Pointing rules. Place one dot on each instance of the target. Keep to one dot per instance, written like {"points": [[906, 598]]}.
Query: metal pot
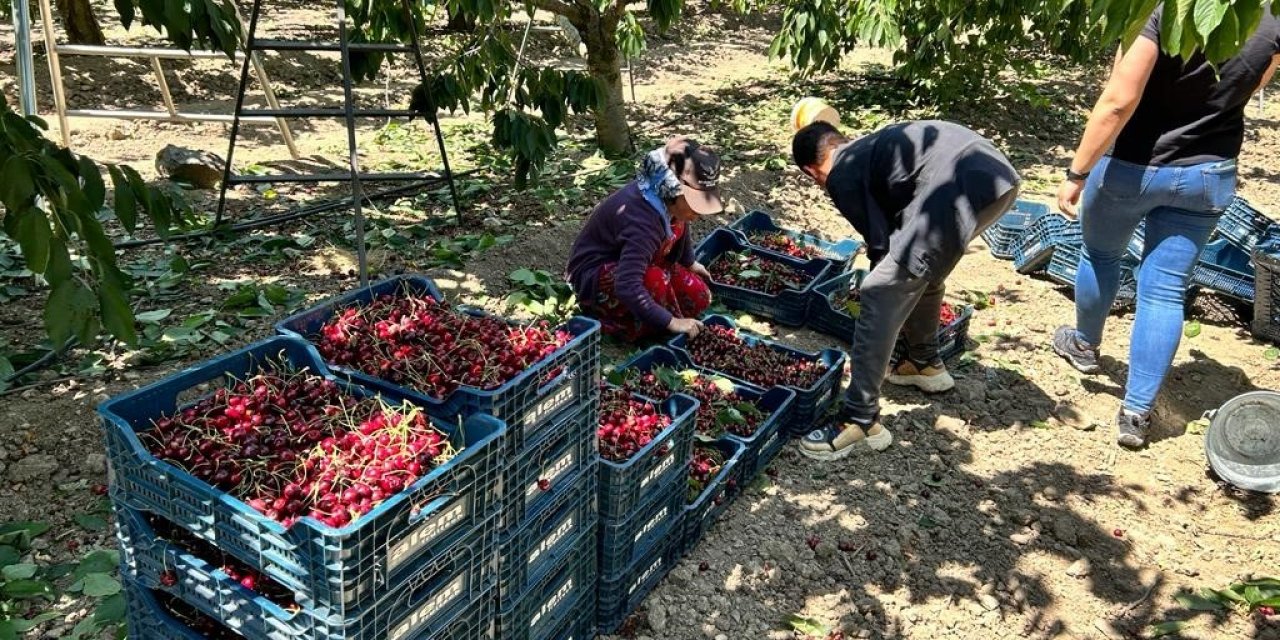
{"points": [[1243, 441]]}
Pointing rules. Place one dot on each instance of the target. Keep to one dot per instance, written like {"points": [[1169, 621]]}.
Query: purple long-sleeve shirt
{"points": [[627, 229]]}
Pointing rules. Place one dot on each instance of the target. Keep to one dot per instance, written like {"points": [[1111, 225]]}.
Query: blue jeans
{"points": [[1181, 206]]}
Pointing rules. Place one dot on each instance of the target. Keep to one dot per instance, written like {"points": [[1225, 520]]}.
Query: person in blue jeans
{"points": [[1174, 128]]}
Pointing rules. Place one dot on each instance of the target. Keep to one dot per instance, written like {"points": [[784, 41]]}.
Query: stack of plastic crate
{"points": [[1242, 225], [1004, 234], [1266, 305], [418, 565], [758, 229], [546, 549], [641, 507]]}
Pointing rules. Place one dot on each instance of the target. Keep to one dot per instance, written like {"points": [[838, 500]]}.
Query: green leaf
{"points": [[24, 589], [23, 571], [276, 294], [32, 231], [110, 610], [59, 267], [9, 555], [100, 561], [1166, 628], [98, 585], [1192, 329], [1271, 354], [730, 415], [1197, 603], [126, 206], [21, 533], [1225, 41], [117, 317], [807, 626], [91, 178], [17, 185], [8, 630], [153, 317], [1208, 15], [750, 273], [524, 276], [25, 625], [91, 522]]}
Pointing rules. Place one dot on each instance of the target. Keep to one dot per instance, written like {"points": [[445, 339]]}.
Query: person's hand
{"points": [[700, 270], [1069, 196], [687, 326]]}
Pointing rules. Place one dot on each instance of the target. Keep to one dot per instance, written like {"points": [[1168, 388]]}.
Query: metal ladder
{"points": [[348, 112]]}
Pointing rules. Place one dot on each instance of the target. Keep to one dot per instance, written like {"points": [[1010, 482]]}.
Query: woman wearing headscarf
{"points": [[632, 266]]}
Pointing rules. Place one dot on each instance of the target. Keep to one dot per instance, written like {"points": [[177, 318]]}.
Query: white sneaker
{"points": [[932, 378], [837, 441]]}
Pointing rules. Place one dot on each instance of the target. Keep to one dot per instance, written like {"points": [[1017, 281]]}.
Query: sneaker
{"points": [[839, 439], [929, 378], [1131, 428], [1067, 343]]}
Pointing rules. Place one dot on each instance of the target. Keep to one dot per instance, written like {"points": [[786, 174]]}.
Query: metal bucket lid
{"points": [[1243, 441]]}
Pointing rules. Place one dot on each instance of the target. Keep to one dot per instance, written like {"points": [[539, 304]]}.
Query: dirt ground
{"points": [[1003, 509]]}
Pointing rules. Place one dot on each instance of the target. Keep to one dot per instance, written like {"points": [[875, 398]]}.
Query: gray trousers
{"points": [[894, 301]]}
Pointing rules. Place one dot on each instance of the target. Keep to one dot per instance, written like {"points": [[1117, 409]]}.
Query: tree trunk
{"points": [[461, 21], [80, 22], [604, 63]]}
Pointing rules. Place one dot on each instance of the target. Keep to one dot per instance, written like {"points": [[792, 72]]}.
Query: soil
{"points": [[1003, 509]]}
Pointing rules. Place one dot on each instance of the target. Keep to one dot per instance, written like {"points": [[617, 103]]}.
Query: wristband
{"points": [[1072, 175]]}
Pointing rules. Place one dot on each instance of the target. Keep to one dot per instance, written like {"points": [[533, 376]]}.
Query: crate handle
{"points": [[553, 383], [430, 507]]}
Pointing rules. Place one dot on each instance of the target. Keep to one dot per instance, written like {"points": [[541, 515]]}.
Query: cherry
{"points": [[168, 579]]}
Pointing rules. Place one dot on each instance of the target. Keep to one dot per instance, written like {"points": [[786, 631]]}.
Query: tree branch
{"points": [[559, 7]]}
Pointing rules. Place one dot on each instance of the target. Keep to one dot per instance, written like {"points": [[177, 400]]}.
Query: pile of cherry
{"points": [[706, 463], [750, 271], [194, 619], [850, 301], [722, 349], [627, 423], [786, 245], [721, 409], [292, 444], [417, 341], [236, 570]]}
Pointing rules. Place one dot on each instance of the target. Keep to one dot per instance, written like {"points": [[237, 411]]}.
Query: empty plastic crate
{"points": [[549, 604], [1002, 235], [625, 486], [1035, 247], [557, 457], [326, 567], [714, 500], [776, 403], [1225, 269], [1266, 306], [1065, 264], [626, 541], [424, 601], [839, 253], [811, 403], [789, 307], [1242, 225], [527, 554], [617, 598], [527, 402]]}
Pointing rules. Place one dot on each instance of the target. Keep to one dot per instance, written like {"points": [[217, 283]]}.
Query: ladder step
{"points": [[339, 176], [328, 112], [303, 45]]}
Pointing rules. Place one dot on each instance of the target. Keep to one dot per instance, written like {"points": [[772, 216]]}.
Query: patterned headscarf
{"points": [[658, 182]]}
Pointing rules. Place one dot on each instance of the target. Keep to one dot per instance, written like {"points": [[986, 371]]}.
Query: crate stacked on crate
{"points": [[758, 229], [1225, 269], [1242, 225], [1064, 263], [1266, 304], [834, 311], [645, 446], [1004, 234], [765, 283], [259, 495], [544, 383], [755, 361]]}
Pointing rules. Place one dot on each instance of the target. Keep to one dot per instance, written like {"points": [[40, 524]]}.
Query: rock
{"points": [[4, 453], [94, 464], [949, 423], [40, 466], [825, 550], [1023, 538], [988, 602], [118, 133], [680, 576], [1080, 568], [1051, 493], [201, 169], [493, 222], [1065, 530], [657, 618]]}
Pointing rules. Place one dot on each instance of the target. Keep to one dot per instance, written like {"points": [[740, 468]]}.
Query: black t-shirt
{"points": [[1193, 113]]}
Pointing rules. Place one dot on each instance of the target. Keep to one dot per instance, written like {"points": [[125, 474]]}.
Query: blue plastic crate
{"points": [[1242, 225], [1034, 249], [952, 338], [839, 253], [769, 448], [776, 403], [1002, 235], [1065, 264], [149, 616], [428, 599], [326, 567], [617, 598], [527, 402], [714, 500], [812, 403], [580, 623], [557, 457], [627, 486], [527, 554], [1225, 269], [624, 542], [1266, 286], [789, 307], [551, 603]]}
